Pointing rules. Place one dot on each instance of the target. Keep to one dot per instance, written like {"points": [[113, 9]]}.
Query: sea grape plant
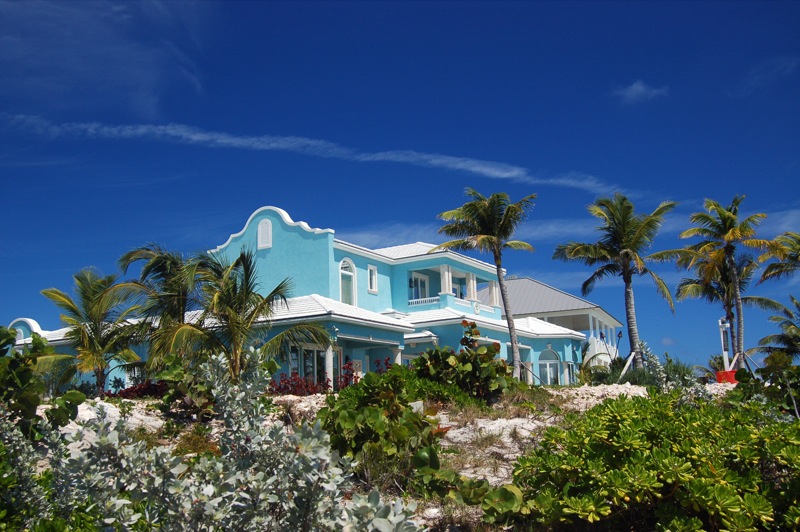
{"points": [[661, 463]]}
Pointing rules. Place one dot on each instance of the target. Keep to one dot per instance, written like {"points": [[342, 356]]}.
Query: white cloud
{"points": [[765, 74], [393, 234], [639, 92], [184, 134]]}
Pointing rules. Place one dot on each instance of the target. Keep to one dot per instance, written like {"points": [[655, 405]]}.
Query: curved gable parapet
{"points": [[284, 217], [27, 326]]}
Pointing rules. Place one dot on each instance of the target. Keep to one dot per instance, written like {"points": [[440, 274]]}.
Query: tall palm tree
{"points": [[169, 283], [619, 252], [712, 283], [721, 231], [487, 225], [787, 251], [788, 340], [98, 323], [235, 315]]}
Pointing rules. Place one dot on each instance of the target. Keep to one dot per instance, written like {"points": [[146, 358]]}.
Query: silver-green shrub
{"points": [[265, 478]]}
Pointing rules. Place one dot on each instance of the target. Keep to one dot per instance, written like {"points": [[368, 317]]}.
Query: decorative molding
{"points": [[284, 216]]}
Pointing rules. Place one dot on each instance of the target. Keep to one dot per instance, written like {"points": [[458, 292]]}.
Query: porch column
{"points": [[591, 325], [329, 364], [472, 287], [446, 276], [494, 294], [398, 355]]}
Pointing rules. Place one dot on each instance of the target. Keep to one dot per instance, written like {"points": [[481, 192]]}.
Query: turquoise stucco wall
{"points": [[302, 254]]}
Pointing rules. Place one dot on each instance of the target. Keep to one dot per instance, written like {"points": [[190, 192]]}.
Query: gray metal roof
{"points": [[529, 297]]}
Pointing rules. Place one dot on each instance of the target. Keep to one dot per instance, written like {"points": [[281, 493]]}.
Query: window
{"points": [[264, 234], [372, 279], [418, 286], [548, 367], [347, 284]]}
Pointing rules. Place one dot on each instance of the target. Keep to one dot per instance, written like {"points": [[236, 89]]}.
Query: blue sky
{"points": [[123, 123]]}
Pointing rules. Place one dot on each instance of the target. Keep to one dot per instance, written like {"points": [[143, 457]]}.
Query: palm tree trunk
{"points": [[633, 328], [512, 330], [737, 297]]}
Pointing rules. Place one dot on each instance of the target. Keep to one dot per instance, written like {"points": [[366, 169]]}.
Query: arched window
{"points": [[264, 234], [347, 282], [548, 367]]}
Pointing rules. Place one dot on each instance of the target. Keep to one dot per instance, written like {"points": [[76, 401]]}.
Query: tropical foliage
{"points": [[487, 224], [658, 463], [625, 236], [787, 253], [99, 323], [788, 340], [721, 231], [235, 315]]}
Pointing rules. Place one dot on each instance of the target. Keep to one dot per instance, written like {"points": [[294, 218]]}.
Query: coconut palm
{"points": [[721, 231], [487, 225], [625, 235], [98, 322], [788, 340], [235, 315], [169, 283], [787, 251], [712, 283]]}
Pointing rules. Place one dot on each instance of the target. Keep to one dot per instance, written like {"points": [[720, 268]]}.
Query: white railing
{"points": [[424, 301]]}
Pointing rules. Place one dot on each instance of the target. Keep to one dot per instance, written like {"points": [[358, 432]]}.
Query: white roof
{"points": [[407, 250], [528, 327], [316, 306]]}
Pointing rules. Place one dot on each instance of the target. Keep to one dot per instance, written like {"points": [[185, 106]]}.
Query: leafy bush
{"points": [[475, 370], [146, 389], [265, 479], [297, 385], [660, 463], [373, 423], [778, 385]]}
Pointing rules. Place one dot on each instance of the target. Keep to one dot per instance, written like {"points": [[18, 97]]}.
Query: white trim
{"points": [[264, 234], [353, 285], [372, 274], [284, 216]]}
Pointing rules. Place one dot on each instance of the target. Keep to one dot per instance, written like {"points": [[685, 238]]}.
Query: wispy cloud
{"points": [[765, 74], [69, 55], [392, 234], [639, 92], [183, 134]]}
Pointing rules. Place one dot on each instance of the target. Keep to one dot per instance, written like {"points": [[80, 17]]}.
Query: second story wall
{"points": [[285, 248]]}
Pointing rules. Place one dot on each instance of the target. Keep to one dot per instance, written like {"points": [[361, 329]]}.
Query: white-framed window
{"points": [[347, 282], [418, 286], [548, 367], [372, 279], [264, 234]]}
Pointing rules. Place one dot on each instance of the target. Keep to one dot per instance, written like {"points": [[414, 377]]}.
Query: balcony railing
{"points": [[423, 301]]}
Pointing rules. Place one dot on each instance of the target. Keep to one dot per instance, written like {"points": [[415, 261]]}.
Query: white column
{"points": [[591, 325], [329, 364], [446, 276], [494, 291], [472, 287], [398, 355]]}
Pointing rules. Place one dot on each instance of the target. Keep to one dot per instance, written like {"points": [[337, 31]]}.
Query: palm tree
{"points": [[169, 283], [721, 231], [487, 225], [619, 252], [235, 315], [788, 340], [98, 323], [787, 251], [713, 284]]}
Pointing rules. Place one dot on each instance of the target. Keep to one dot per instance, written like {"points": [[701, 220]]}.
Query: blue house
{"points": [[377, 304]]}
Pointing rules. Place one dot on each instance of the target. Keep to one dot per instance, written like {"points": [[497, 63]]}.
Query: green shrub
{"points": [[264, 479], [660, 463], [373, 423], [473, 369]]}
